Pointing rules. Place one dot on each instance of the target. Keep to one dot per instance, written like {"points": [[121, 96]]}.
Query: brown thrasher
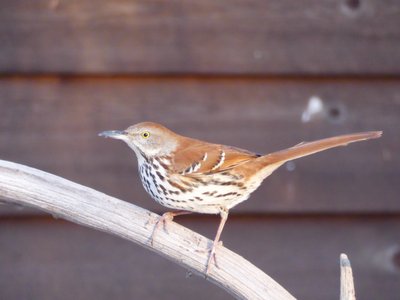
{"points": [[195, 176]]}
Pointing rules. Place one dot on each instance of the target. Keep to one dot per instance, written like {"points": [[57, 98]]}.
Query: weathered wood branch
{"points": [[31, 187], [347, 291]]}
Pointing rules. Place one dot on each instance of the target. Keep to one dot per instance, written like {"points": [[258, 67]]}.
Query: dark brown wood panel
{"points": [[53, 124], [153, 36], [44, 259]]}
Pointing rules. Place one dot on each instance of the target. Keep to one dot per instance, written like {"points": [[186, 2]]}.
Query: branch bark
{"points": [[79, 204]]}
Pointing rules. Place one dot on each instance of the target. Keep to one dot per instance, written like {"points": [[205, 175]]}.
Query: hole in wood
{"points": [[353, 4], [396, 259], [334, 113]]}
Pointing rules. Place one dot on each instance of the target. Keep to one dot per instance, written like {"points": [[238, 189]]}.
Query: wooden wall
{"points": [[242, 73]]}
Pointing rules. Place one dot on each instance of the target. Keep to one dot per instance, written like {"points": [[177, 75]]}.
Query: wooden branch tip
{"points": [[26, 186], [347, 291]]}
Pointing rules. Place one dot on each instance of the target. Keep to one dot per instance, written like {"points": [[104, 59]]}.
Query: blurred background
{"points": [[260, 75]]}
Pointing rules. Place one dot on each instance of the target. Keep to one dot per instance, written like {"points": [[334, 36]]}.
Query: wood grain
{"points": [[45, 259], [52, 124], [152, 36]]}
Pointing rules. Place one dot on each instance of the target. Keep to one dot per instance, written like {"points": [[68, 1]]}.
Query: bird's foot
{"points": [[212, 258], [162, 221], [166, 217]]}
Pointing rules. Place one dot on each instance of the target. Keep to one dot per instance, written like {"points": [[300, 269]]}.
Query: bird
{"points": [[193, 176]]}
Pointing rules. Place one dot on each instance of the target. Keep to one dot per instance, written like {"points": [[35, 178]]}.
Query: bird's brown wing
{"points": [[200, 157]]}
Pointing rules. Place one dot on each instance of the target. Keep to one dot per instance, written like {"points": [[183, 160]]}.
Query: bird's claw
{"points": [[212, 255], [161, 220]]}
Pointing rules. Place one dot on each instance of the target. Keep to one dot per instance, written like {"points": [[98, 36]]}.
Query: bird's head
{"points": [[147, 139]]}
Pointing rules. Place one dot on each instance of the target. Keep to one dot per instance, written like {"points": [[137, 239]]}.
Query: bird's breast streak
{"points": [[183, 192]]}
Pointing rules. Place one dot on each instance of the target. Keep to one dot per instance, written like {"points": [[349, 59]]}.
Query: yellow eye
{"points": [[145, 134]]}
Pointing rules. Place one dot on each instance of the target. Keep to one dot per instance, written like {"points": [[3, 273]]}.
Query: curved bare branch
{"points": [[79, 204]]}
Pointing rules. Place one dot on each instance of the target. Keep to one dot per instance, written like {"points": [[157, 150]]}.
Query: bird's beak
{"points": [[114, 134]]}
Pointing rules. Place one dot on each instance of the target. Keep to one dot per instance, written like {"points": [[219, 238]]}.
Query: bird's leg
{"points": [[224, 216], [168, 216]]}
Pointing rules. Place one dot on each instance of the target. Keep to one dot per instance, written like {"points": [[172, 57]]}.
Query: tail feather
{"points": [[307, 148]]}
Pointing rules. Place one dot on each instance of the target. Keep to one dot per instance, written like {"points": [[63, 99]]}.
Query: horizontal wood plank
{"points": [[44, 259], [152, 36], [53, 124]]}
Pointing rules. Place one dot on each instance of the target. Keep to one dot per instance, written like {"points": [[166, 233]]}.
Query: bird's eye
{"points": [[145, 134]]}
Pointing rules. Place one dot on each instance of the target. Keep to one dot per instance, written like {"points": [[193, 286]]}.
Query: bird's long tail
{"points": [[307, 148]]}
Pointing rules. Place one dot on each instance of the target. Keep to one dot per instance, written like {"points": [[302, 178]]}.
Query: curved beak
{"points": [[114, 134]]}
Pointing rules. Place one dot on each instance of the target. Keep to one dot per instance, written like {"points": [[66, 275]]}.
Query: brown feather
{"points": [[269, 163], [191, 152], [308, 148]]}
